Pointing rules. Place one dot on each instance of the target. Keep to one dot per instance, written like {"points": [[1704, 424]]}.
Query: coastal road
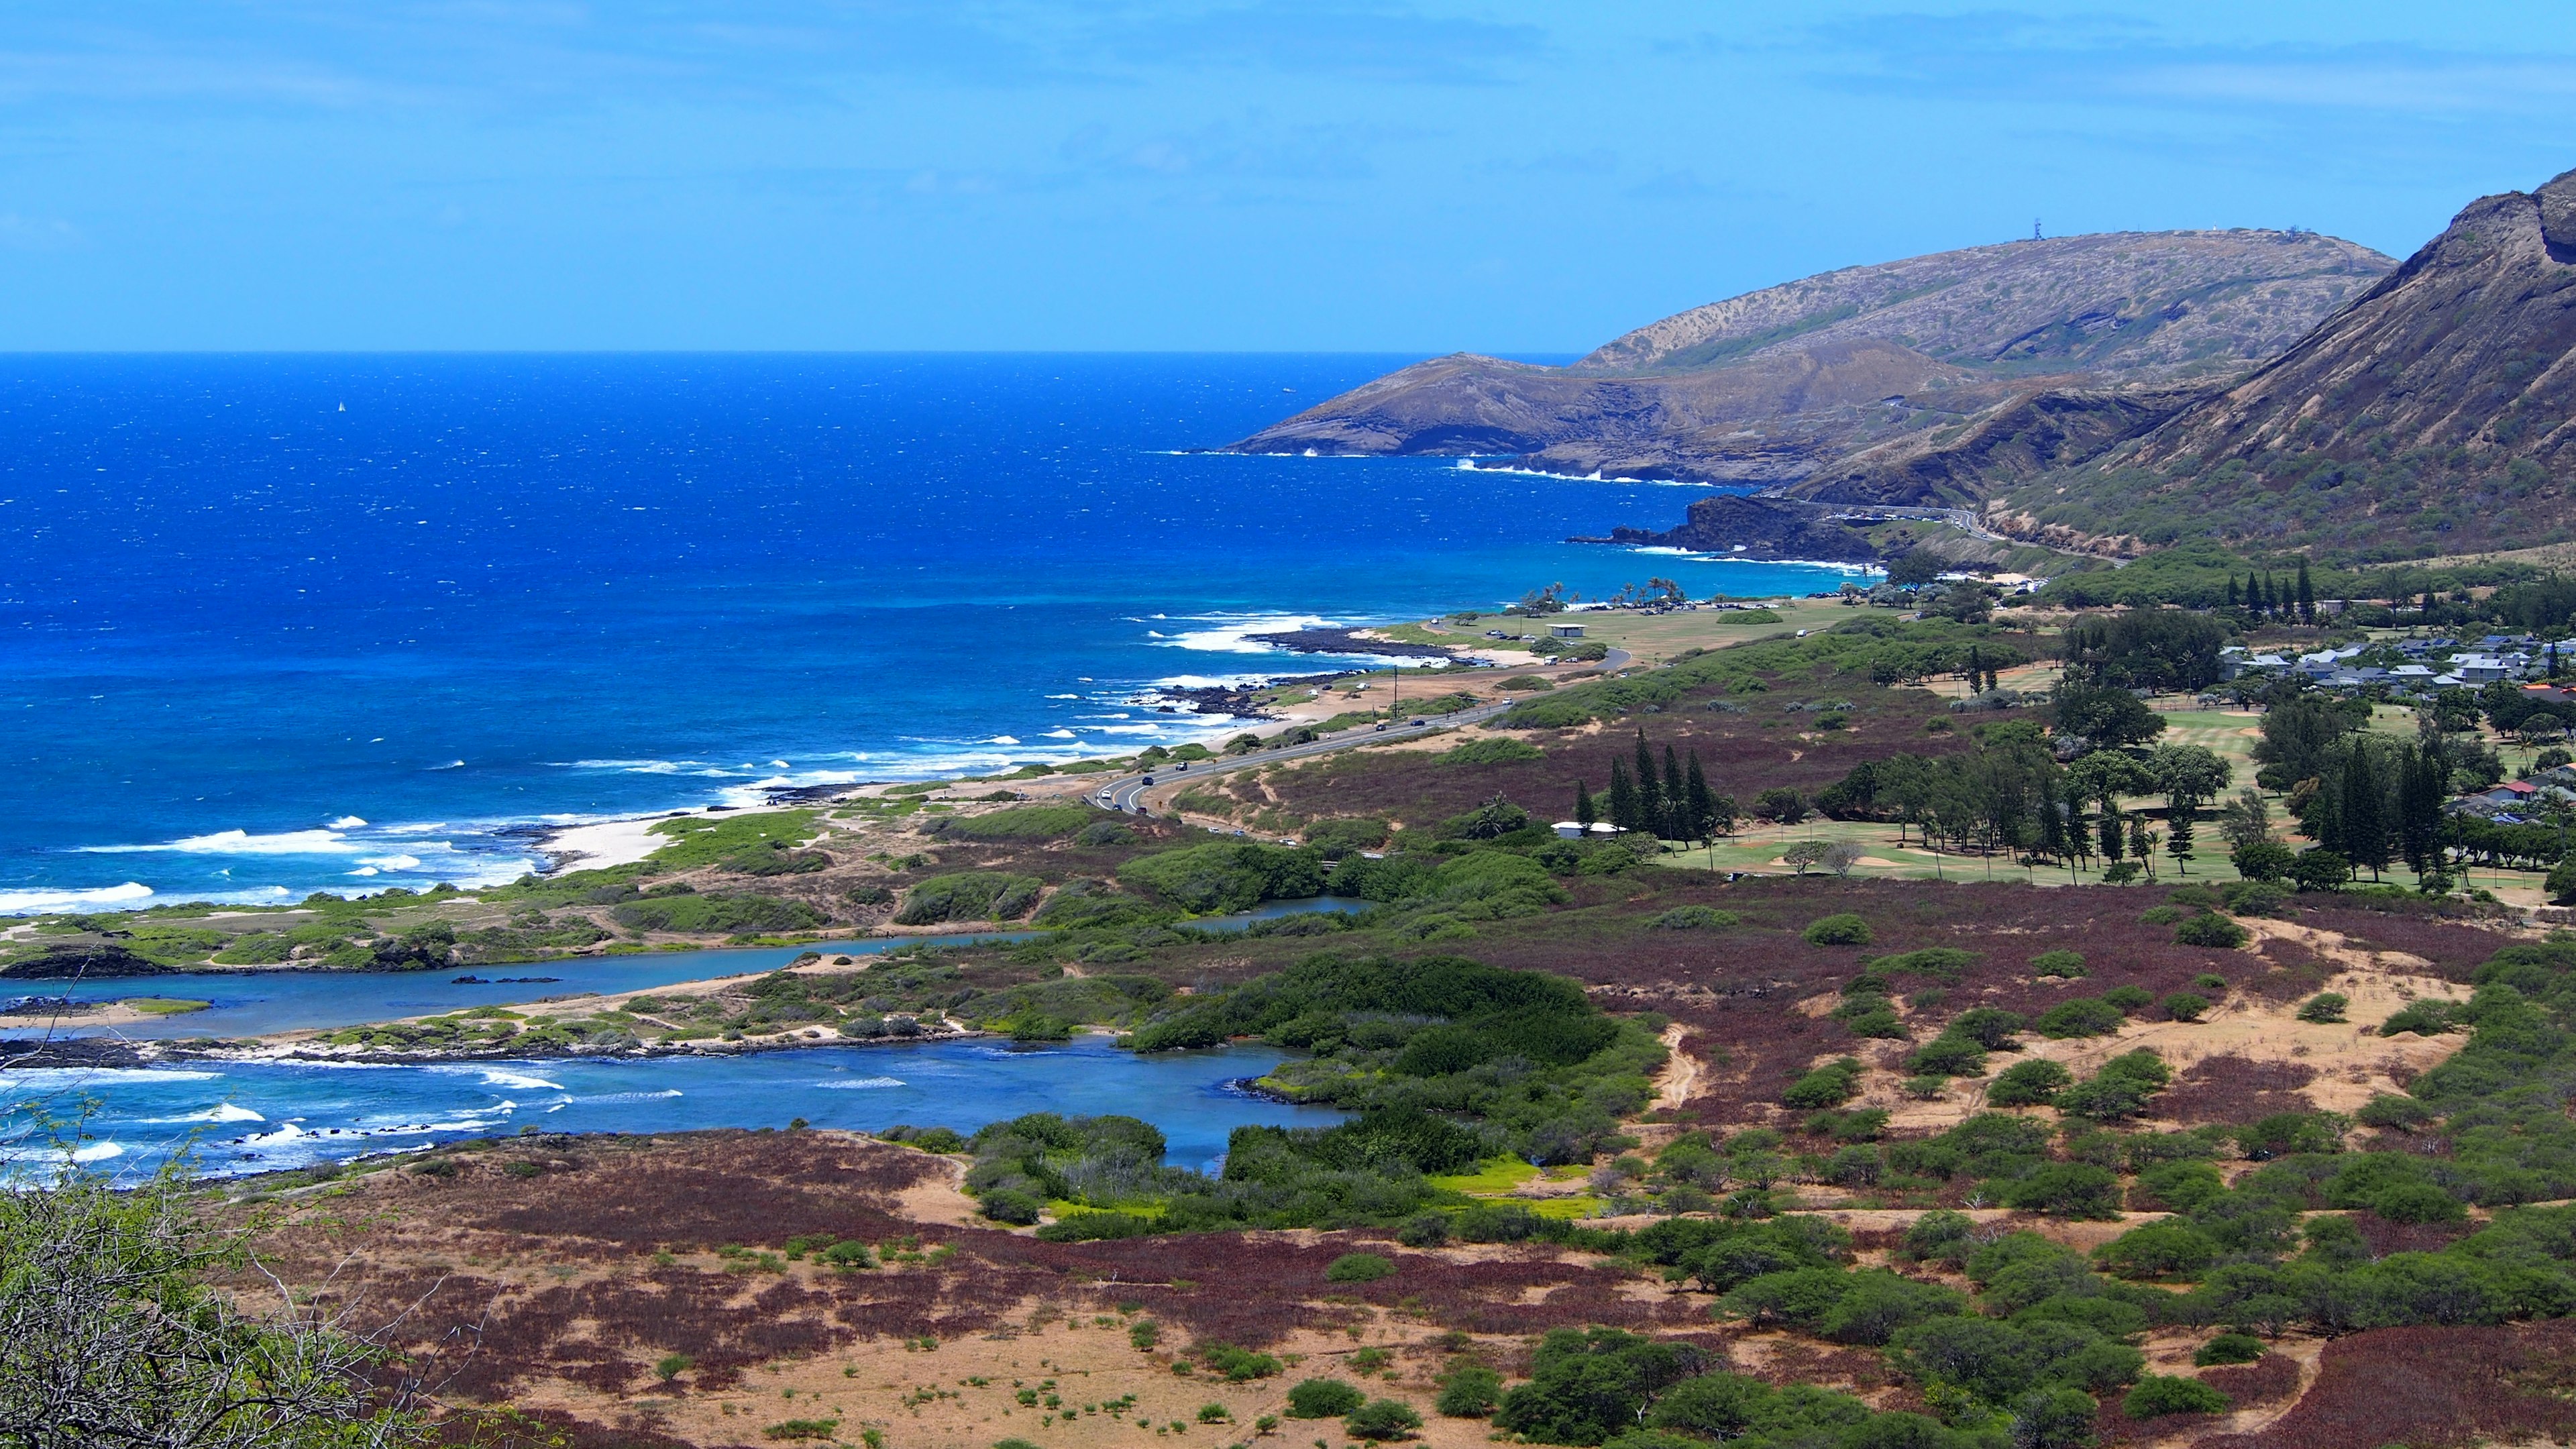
{"points": [[1127, 792]]}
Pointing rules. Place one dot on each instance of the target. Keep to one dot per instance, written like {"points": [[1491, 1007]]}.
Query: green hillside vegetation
{"points": [[1445, 1061]]}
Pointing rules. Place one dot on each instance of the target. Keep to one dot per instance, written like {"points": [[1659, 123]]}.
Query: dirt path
{"points": [[1679, 1080]]}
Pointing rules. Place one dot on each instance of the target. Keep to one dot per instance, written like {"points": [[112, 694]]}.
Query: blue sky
{"points": [[1226, 174]]}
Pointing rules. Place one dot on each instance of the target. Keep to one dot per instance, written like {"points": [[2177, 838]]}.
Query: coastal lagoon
{"points": [[285, 623], [257, 1118]]}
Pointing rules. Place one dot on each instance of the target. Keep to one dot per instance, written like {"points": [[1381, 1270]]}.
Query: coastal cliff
{"points": [[1768, 529]]}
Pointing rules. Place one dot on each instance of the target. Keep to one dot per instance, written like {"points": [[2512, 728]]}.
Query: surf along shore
{"points": [[836, 863]]}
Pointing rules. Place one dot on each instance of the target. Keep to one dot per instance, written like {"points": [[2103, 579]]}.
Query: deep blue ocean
{"points": [[272, 624]]}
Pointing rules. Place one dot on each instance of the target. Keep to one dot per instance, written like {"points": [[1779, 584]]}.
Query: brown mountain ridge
{"points": [[1779, 384]]}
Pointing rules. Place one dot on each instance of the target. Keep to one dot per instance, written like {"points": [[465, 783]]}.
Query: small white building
{"points": [[1573, 829], [1566, 631]]}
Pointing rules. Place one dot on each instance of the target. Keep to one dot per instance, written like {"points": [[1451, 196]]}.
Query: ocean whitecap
{"points": [[664, 1094], [347, 822], [1001, 740], [223, 1112], [391, 862], [858, 1084], [242, 842], [39, 901], [1064, 696], [98, 1152], [52, 1078]]}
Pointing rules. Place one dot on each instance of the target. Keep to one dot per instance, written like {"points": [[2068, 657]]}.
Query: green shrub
{"points": [[1830, 1085], [2162, 915], [1947, 1056], [2215, 932], [2428, 1017], [1105, 832], [1469, 1392], [2158, 1395], [2068, 1189], [2386, 1111], [1219, 877], [1383, 1419], [2128, 998], [2081, 1016], [2057, 963], [1005, 1206], [718, 914], [1525, 683], [1358, 1268], [2228, 1348], [1323, 1399], [1693, 918], [2157, 1250], [1987, 1026], [973, 895], [2324, 1007], [1027, 822], [1497, 750], [1340, 837], [1843, 929], [1237, 1364], [2417, 1202], [2033, 1083], [2184, 1005]]}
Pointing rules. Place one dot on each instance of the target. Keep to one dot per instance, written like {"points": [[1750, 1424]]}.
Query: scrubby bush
{"points": [[2213, 931], [2158, 1250], [2227, 1348], [1693, 918], [2057, 963], [2128, 998], [1005, 1206], [2068, 1189], [1830, 1085], [974, 895], [1947, 1056], [1497, 750], [2158, 1395], [2430, 1017], [2033, 1083], [2325, 1007], [1383, 1419], [1469, 1392], [1323, 1399], [1843, 929], [2184, 1005], [2080, 1016], [1358, 1268]]}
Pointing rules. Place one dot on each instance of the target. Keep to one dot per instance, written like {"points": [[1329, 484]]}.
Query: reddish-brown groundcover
{"points": [[2425, 1387], [612, 1205], [1761, 747], [1738, 986], [2236, 1089]]}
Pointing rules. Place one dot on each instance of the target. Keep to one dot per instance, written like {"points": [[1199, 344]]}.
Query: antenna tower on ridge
{"points": [[2034, 228]]}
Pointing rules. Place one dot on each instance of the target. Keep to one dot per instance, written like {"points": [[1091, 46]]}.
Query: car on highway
{"points": [[1148, 780]]}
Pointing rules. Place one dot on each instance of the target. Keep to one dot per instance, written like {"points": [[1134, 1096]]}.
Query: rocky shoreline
{"points": [[1348, 641], [151, 1052]]}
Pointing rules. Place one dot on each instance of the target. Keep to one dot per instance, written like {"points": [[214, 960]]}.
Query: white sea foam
{"points": [[347, 822], [242, 842], [1001, 740], [1061, 735], [391, 862], [518, 1081], [225, 1112], [51, 1078], [857, 1084], [450, 765], [1232, 633], [37, 902], [98, 1152], [665, 1093], [1064, 696]]}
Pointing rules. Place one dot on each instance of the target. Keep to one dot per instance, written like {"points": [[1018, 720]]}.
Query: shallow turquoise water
{"points": [[257, 1118]]}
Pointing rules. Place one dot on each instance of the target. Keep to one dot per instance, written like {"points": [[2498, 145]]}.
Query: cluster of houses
{"points": [[2428, 664], [2521, 802]]}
